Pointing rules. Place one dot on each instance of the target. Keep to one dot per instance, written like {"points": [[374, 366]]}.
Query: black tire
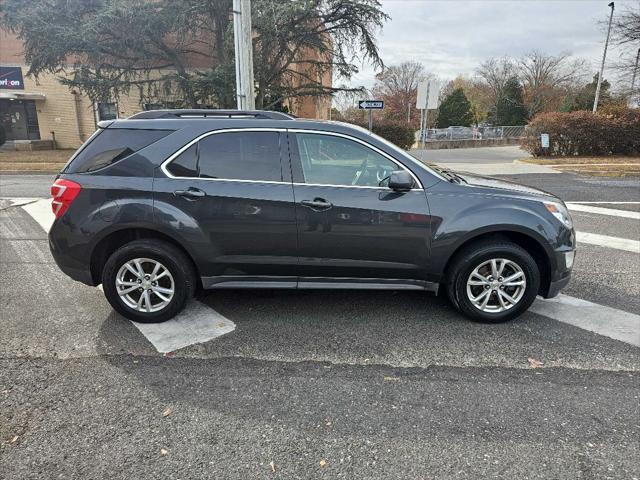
{"points": [[473, 256], [178, 264]]}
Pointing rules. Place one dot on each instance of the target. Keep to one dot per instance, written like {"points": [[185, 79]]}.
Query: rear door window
{"points": [[241, 156], [185, 164], [112, 145]]}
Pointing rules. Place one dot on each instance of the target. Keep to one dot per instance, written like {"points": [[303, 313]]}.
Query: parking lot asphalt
{"points": [[314, 384], [506, 154]]}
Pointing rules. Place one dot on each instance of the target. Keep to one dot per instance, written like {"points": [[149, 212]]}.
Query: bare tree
{"points": [[346, 99], [398, 86], [547, 78], [496, 72], [626, 34]]}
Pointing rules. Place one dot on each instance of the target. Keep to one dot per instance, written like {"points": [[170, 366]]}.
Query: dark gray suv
{"points": [[166, 202]]}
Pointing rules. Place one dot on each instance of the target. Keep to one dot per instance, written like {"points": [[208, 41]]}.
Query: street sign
{"points": [[427, 99], [371, 104], [544, 140], [428, 94]]}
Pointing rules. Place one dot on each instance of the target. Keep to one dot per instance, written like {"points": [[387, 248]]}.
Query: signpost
{"points": [[370, 105], [427, 98], [544, 140]]}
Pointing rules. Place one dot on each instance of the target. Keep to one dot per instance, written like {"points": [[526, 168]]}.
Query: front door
{"points": [[19, 119], [351, 227], [235, 204]]}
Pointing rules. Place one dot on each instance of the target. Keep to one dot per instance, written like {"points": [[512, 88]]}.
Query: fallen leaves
{"points": [[167, 412], [534, 363], [273, 466], [164, 451], [391, 379], [323, 462]]}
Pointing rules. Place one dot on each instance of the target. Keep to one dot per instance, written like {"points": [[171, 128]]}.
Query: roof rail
{"points": [[207, 113]]}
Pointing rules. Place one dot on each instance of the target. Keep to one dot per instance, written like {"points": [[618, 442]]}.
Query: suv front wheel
{"points": [[148, 281], [493, 281]]}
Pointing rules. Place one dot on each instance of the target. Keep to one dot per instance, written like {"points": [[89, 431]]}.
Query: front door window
{"points": [[332, 160]]}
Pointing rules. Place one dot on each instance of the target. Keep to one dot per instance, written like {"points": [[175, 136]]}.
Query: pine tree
{"points": [[455, 110], [510, 109], [583, 99]]}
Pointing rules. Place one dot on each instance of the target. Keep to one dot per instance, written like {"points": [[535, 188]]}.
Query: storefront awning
{"points": [[21, 96]]}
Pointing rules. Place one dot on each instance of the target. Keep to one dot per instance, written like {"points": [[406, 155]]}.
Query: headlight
{"points": [[558, 210]]}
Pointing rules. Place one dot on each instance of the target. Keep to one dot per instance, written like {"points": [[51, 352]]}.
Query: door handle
{"points": [[317, 204], [190, 194]]}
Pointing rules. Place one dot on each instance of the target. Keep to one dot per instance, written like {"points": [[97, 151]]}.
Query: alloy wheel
{"points": [[496, 285], [145, 285]]}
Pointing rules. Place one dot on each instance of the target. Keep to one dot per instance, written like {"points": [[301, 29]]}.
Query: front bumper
{"points": [[557, 285], [561, 275]]}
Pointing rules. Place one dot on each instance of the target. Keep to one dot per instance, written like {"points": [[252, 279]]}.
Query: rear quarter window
{"points": [[110, 146]]}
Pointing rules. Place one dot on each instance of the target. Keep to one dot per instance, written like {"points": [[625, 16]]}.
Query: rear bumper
{"points": [[73, 268]]}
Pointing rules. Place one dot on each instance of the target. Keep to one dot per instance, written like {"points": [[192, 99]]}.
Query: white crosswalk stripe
{"points": [[612, 212], [610, 322], [609, 242], [199, 323]]}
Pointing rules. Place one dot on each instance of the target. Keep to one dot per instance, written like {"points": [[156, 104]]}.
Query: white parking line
{"points": [[576, 207], [607, 321], [606, 203], [609, 242], [40, 211], [197, 323]]}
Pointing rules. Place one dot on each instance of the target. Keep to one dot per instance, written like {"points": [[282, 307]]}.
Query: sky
{"points": [[451, 37]]}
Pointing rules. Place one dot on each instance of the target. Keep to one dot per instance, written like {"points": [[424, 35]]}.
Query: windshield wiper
{"points": [[450, 175]]}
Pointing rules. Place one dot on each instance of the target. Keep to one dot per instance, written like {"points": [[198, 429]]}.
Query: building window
{"points": [[107, 111]]}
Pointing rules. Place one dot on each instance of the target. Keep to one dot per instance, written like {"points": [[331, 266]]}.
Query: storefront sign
{"points": [[11, 78]]}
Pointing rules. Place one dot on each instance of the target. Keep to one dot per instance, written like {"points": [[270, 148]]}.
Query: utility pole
{"points": [[242, 34], [604, 56], [635, 72]]}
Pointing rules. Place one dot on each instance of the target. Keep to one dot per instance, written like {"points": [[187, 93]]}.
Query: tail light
{"points": [[63, 193]]}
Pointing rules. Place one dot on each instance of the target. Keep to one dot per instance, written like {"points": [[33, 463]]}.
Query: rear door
{"points": [[230, 197], [351, 226]]}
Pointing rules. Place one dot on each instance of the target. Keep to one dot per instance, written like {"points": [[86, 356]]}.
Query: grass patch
{"points": [[38, 156], [37, 161]]}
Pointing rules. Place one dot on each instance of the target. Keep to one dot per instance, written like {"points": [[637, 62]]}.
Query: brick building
{"points": [[35, 112]]}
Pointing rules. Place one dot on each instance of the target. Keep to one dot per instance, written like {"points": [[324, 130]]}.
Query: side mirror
{"points": [[400, 181]]}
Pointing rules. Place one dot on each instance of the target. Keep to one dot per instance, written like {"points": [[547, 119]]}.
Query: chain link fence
{"points": [[472, 133]]}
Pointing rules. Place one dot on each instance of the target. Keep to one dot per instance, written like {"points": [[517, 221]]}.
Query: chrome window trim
{"points": [[173, 156]]}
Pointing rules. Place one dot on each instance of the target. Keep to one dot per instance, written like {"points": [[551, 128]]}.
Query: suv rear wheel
{"points": [[493, 281], [148, 281]]}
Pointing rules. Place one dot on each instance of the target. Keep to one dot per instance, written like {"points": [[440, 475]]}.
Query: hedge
{"points": [[401, 134], [613, 131]]}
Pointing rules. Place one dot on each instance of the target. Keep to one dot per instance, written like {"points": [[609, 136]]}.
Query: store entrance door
{"points": [[19, 119]]}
